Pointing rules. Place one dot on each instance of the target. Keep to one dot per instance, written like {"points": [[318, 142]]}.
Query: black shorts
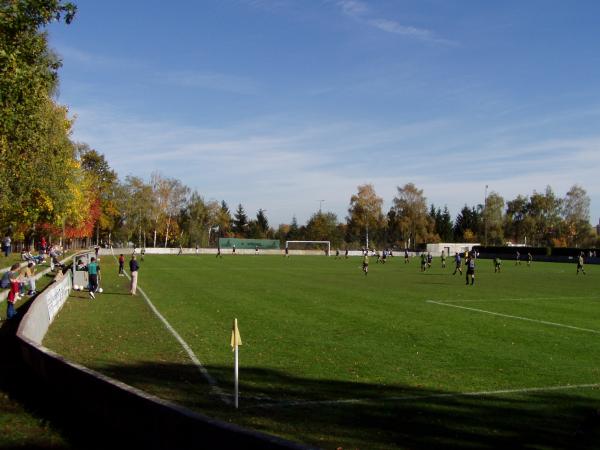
{"points": [[93, 279], [470, 271]]}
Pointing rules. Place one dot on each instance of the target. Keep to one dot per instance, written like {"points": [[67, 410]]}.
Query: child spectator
{"points": [[28, 274], [13, 295]]}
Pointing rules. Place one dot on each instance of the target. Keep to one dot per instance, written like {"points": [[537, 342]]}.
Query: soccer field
{"points": [[334, 358]]}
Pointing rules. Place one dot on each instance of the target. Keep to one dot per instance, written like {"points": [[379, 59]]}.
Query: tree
{"points": [[365, 212], [105, 183], [224, 219], [170, 195], [293, 232], [544, 214], [467, 222], [515, 219], [324, 227], [493, 219], [262, 224], [240, 221], [576, 212], [412, 218], [34, 130]]}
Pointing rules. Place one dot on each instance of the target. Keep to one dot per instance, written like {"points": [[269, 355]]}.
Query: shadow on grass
{"points": [[44, 421], [385, 417]]}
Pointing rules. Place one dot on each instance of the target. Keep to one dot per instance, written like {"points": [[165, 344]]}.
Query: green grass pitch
{"points": [[334, 358]]}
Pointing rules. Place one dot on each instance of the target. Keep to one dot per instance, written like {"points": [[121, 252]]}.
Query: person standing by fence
{"points": [[133, 269], [6, 245]]}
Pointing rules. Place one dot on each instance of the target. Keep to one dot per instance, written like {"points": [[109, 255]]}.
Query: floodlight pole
{"points": [[320, 206], [485, 215]]}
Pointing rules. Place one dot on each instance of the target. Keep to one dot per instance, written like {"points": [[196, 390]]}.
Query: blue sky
{"points": [[277, 104]]}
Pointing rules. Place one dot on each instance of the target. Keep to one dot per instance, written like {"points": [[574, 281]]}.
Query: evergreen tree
{"points": [[240, 221]]}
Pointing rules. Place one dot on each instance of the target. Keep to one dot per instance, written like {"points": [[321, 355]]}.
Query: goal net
{"points": [[324, 246]]}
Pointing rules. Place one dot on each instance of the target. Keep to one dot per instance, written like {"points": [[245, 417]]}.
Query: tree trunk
{"points": [[167, 233]]}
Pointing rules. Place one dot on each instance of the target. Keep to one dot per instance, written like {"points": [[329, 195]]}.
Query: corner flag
{"points": [[236, 341], [235, 336]]}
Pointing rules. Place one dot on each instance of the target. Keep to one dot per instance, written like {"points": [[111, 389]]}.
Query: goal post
{"points": [[328, 243]]}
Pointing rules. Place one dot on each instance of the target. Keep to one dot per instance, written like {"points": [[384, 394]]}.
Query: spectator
{"points": [[6, 245], [133, 269], [5, 281], [13, 295], [28, 274]]}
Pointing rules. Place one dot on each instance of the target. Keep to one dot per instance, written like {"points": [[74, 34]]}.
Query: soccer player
{"points": [[470, 269], [423, 262], [443, 259], [346, 254], [143, 252], [365, 266], [580, 264], [233, 249], [337, 253], [518, 258], [406, 259], [429, 260], [529, 258], [458, 263], [180, 250], [219, 251], [287, 252], [256, 250], [93, 270], [497, 264], [121, 265]]}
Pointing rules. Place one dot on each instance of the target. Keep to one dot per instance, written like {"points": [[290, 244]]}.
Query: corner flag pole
{"points": [[236, 341]]}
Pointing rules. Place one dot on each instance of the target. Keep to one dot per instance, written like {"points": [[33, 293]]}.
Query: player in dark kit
{"points": [[497, 264], [470, 269], [580, 262], [518, 259], [423, 262], [406, 260], [458, 263], [529, 258]]}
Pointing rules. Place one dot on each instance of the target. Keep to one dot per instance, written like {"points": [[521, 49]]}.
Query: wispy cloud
{"points": [[211, 81], [391, 26], [353, 7], [267, 162], [361, 12]]}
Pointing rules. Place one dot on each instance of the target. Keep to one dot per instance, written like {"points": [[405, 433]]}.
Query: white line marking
{"points": [[554, 324], [215, 388], [426, 397], [519, 299]]}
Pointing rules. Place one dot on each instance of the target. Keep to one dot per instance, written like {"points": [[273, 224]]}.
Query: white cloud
{"points": [[211, 81], [353, 7], [286, 168]]}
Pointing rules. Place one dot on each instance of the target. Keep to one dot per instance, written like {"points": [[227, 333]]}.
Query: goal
{"points": [[309, 245]]}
